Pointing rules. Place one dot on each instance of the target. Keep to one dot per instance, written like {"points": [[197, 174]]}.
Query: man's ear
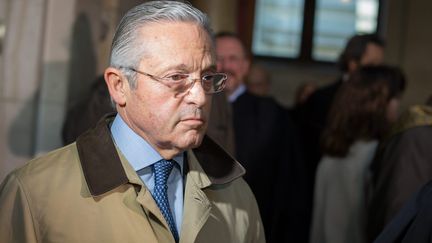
{"points": [[117, 85]]}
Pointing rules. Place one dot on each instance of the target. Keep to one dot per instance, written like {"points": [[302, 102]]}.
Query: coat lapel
{"points": [[196, 204], [144, 197]]}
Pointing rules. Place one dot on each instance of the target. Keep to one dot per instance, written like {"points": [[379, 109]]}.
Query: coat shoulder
{"points": [[50, 162]]}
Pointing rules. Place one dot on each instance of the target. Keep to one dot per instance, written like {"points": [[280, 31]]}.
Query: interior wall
{"points": [[223, 13], [409, 45], [20, 79], [54, 48], [54, 70]]}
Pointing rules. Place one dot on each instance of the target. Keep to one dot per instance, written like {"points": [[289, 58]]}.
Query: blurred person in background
{"points": [[303, 92], [311, 116], [402, 165], [360, 50], [221, 127], [258, 81], [266, 145], [86, 113], [360, 116]]}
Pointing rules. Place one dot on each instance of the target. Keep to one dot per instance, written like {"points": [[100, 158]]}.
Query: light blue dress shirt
{"points": [[239, 91], [141, 155]]}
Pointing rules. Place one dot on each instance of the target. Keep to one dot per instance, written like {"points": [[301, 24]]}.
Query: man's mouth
{"points": [[193, 121]]}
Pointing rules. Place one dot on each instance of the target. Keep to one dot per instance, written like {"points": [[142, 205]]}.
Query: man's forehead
{"points": [[187, 34], [174, 39], [186, 61], [189, 27]]}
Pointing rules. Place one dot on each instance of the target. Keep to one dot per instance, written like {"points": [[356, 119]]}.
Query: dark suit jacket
{"points": [[220, 126], [266, 145], [87, 112], [312, 118], [413, 224], [400, 169]]}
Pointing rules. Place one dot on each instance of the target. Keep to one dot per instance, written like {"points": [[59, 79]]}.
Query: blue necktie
{"points": [[162, 169]]}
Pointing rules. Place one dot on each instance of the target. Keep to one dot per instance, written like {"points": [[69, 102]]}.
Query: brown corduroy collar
{"points": [[103, 169]]}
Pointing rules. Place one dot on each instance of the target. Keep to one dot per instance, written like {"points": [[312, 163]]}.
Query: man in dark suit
{"points": [[264, 140]]}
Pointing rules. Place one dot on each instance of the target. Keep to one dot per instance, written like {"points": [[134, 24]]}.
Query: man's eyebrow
{"points": [[183, 67], [210, 68]]}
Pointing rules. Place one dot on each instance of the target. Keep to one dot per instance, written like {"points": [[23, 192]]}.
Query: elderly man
{"points": [[148, 174]]}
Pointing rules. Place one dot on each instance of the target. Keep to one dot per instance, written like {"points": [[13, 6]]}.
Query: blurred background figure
{"points": [[359, 118], [303, 92], [412, 222], [311, 116], [220, 126], [266, 145], [258, 81], [360, 50], [401, 167], [85, 114]]}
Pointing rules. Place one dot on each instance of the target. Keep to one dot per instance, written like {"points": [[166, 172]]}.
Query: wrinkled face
{"points": [[232, 60], [166, 119], [374, 55]]}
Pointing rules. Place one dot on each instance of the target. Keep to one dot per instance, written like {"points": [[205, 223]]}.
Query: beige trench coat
{"points": [[88, 192]]}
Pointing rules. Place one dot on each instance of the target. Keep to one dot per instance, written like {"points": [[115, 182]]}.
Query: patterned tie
{"points": [[162, 169]]}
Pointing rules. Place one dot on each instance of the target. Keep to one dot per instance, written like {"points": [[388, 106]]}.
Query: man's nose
{"points": [[196, 93]]}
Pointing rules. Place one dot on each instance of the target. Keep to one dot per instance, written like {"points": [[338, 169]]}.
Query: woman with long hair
{"points": [[360, 116]]}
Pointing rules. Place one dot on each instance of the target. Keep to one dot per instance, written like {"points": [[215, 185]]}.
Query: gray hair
{"points": [[127, 50]]}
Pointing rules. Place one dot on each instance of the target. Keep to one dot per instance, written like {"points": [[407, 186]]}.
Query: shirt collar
{"points": [[138, 152], [239, 91], [103, 170]]}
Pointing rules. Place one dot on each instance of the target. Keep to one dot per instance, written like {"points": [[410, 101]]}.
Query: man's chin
{"points": [[192, 139]]}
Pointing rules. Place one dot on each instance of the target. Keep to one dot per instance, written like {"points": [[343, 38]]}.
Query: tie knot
{"points": [[162, 169]]}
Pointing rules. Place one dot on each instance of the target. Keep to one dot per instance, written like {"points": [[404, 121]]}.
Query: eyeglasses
{"points": [[180, 83]]}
